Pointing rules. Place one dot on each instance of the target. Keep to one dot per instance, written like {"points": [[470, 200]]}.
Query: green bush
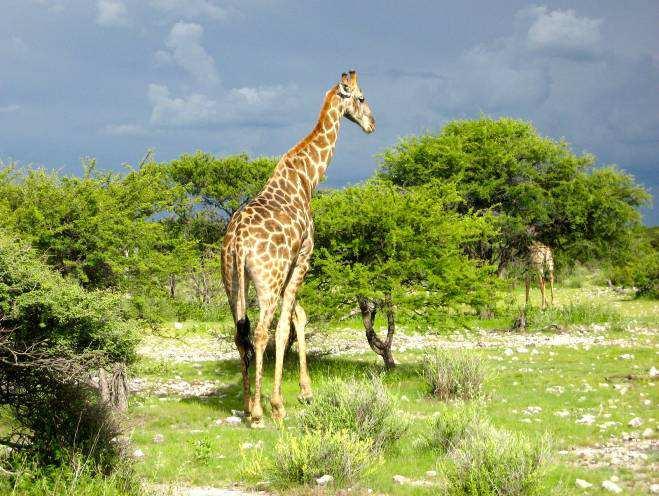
{"points": [[40, 306], [54, 335], [301, 459], [365, 408], [490, 461], [453, 375], [450, 426]]}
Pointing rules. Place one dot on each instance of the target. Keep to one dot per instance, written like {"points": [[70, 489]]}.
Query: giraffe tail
{"points": [[243, 338]]}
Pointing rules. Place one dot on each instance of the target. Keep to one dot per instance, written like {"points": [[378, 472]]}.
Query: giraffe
{"points": [[269, 243], [540, 261]]}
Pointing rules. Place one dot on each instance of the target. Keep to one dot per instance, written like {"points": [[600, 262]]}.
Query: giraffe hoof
{"points": [[257, 424], [305, 398]]}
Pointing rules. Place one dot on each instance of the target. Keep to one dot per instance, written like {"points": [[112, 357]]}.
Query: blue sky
{"points": [[112, 78]]}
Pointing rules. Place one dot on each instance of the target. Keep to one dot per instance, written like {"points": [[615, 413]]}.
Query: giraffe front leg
{"points": [[283, 328], [551, 286], [260, 342], [542, 291], [299, 321]]}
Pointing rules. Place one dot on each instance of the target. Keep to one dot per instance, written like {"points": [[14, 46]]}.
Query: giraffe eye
{"points": [[361, 99]]}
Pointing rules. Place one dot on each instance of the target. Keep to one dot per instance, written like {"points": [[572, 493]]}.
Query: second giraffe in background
{"points": [[540, 262]]}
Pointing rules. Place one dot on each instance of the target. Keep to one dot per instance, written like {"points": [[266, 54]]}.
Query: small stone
{"points": [[654, 488], [247, 446], [404, 398], [647, 402], [178, 325], [556, 389], [635, 422], [614, 478], [611, 486], [508, 352], [233, 420], [158, 439], [138, 453], [431, 473], [586, 419], [562, 413], [218, 421], [653, 372], [648, 432], [400, 479], [324, 480], [582, 484], [626, 356]]}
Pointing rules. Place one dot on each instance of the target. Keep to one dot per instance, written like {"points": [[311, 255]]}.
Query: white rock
{"points": [[586, 419], [178, 325], [508, 352], [218, 421], [562, 413], [654, 488], [582, 484], [653, 372], [647, 402], [532, 410], [431, 473], [635, 422], [233, 420], [400, 479], [158, 438], [626, 356], [648, 432], [611, 486], [247, 446], [324, 480], [138, 453]]}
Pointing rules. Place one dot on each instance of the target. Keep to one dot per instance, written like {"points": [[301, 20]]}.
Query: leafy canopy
{"points": [[506, 167]]}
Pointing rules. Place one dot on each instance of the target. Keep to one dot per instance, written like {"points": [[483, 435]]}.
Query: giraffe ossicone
{"points": [[269, 242]]}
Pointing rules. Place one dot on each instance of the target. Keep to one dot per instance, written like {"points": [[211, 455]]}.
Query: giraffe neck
{"points": [[312, 154]]}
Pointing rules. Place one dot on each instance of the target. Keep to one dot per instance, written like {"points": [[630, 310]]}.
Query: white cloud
{"points": [[125, 130], [169, 111], [190, 9], [9, 109], [242, 106], [184, 41], [563, 33], [111, 13]]}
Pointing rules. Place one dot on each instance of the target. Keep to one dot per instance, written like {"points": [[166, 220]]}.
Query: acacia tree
{"points": [[399, 251], [525, 180], [222, 184], [99, 228]]}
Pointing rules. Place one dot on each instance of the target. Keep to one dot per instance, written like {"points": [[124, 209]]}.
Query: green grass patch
{"points": [[363, 407], [451, 375]]}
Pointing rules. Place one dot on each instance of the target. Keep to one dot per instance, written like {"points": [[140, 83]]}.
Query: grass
{"points": [[301, 459], [453, 375], [362, 407], [593, 379], [490, 461], [21, 478]]}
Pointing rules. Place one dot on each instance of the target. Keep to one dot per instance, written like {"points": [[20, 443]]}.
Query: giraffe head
{"points": [[353, 103]]}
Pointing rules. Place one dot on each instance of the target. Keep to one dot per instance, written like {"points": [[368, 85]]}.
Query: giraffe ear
{"points": [[353, 78], [345, 88]]}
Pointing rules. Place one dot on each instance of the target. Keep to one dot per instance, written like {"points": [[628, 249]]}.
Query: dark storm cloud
{"points": [[111, 78]]}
